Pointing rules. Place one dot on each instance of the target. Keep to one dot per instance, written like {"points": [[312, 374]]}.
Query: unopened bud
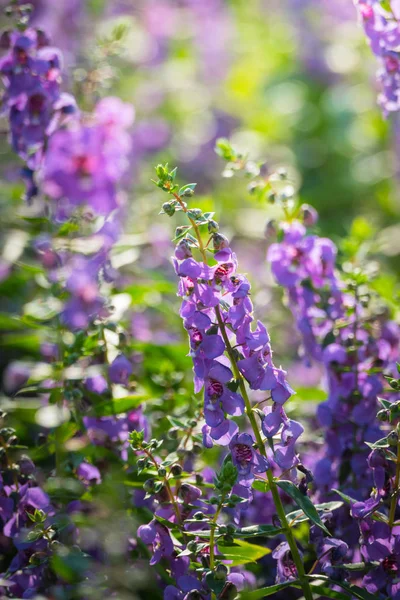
{"points": [[213, 226], [383, 415], [309, 215], [220, 241], [169, 208], [271, 230], [229, 592]]}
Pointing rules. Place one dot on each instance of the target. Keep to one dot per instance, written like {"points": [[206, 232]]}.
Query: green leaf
{"points": [[299, 515], [385, 403], [224, 149], [382, 443], [119, 405], [34, 535], [261, 485], [303, 502], [356, 591], [257, 531], [328, 593], [242, 553], [43, 309], [264, 592], [188, 186]]}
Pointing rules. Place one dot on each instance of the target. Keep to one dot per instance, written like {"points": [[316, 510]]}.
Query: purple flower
{"points": [[120, 369], [218, 398], [96, 384], [285, 453], [158, 536], [88, 473], [84, 162], [247, 461], [285, 569]]}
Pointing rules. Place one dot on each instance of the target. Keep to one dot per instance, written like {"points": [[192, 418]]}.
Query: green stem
{"points": [[168, 488], [274, 490], [393, 503], [273, 487], [213, 525]]}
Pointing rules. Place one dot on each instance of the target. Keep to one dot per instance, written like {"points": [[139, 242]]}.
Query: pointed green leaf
{"points": [[264, 592], [242, 553], [260, 485], [258, 531], [356, 591], [119, 405], [302, 502], [299, 516]]}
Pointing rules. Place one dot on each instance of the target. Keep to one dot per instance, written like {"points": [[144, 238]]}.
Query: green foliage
{"points": [[302, 502]]}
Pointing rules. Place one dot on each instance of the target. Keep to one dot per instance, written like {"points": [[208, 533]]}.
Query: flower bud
{"points": [[223, 529], [176, 470], [392, 438], [194, 595], [169, 208], [221, 572], [162, 472], [383, 415], [173, 433], [189, 493], [160, 171], [270, 230], [148, 485], [183, 250], [229, 592], [213, 226], [192, 546], [308, 214], [220, 241]]}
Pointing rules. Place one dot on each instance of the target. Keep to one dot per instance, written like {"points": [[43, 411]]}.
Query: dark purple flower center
{"points": [[84, 164], [243, 453], [289, 568], [21, 56], [391, 63], [389, 564], [197, 337], [215, 390], [189, 284], [36, 104], [222, 271]]}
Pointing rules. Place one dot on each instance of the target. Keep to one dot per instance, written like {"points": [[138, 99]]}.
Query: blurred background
{"points": [[292, 82]]}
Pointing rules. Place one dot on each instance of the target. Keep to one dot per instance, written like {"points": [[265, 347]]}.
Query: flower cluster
{"points": [[74, 161], [337, 331], [33, 101], [381, 25]]}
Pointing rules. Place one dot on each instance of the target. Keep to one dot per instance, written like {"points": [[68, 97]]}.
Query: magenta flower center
{"points": [[215, 390], [389, 564], [84, 164], [36, 104], [197, 337], [243, 453], [222, 272]]}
